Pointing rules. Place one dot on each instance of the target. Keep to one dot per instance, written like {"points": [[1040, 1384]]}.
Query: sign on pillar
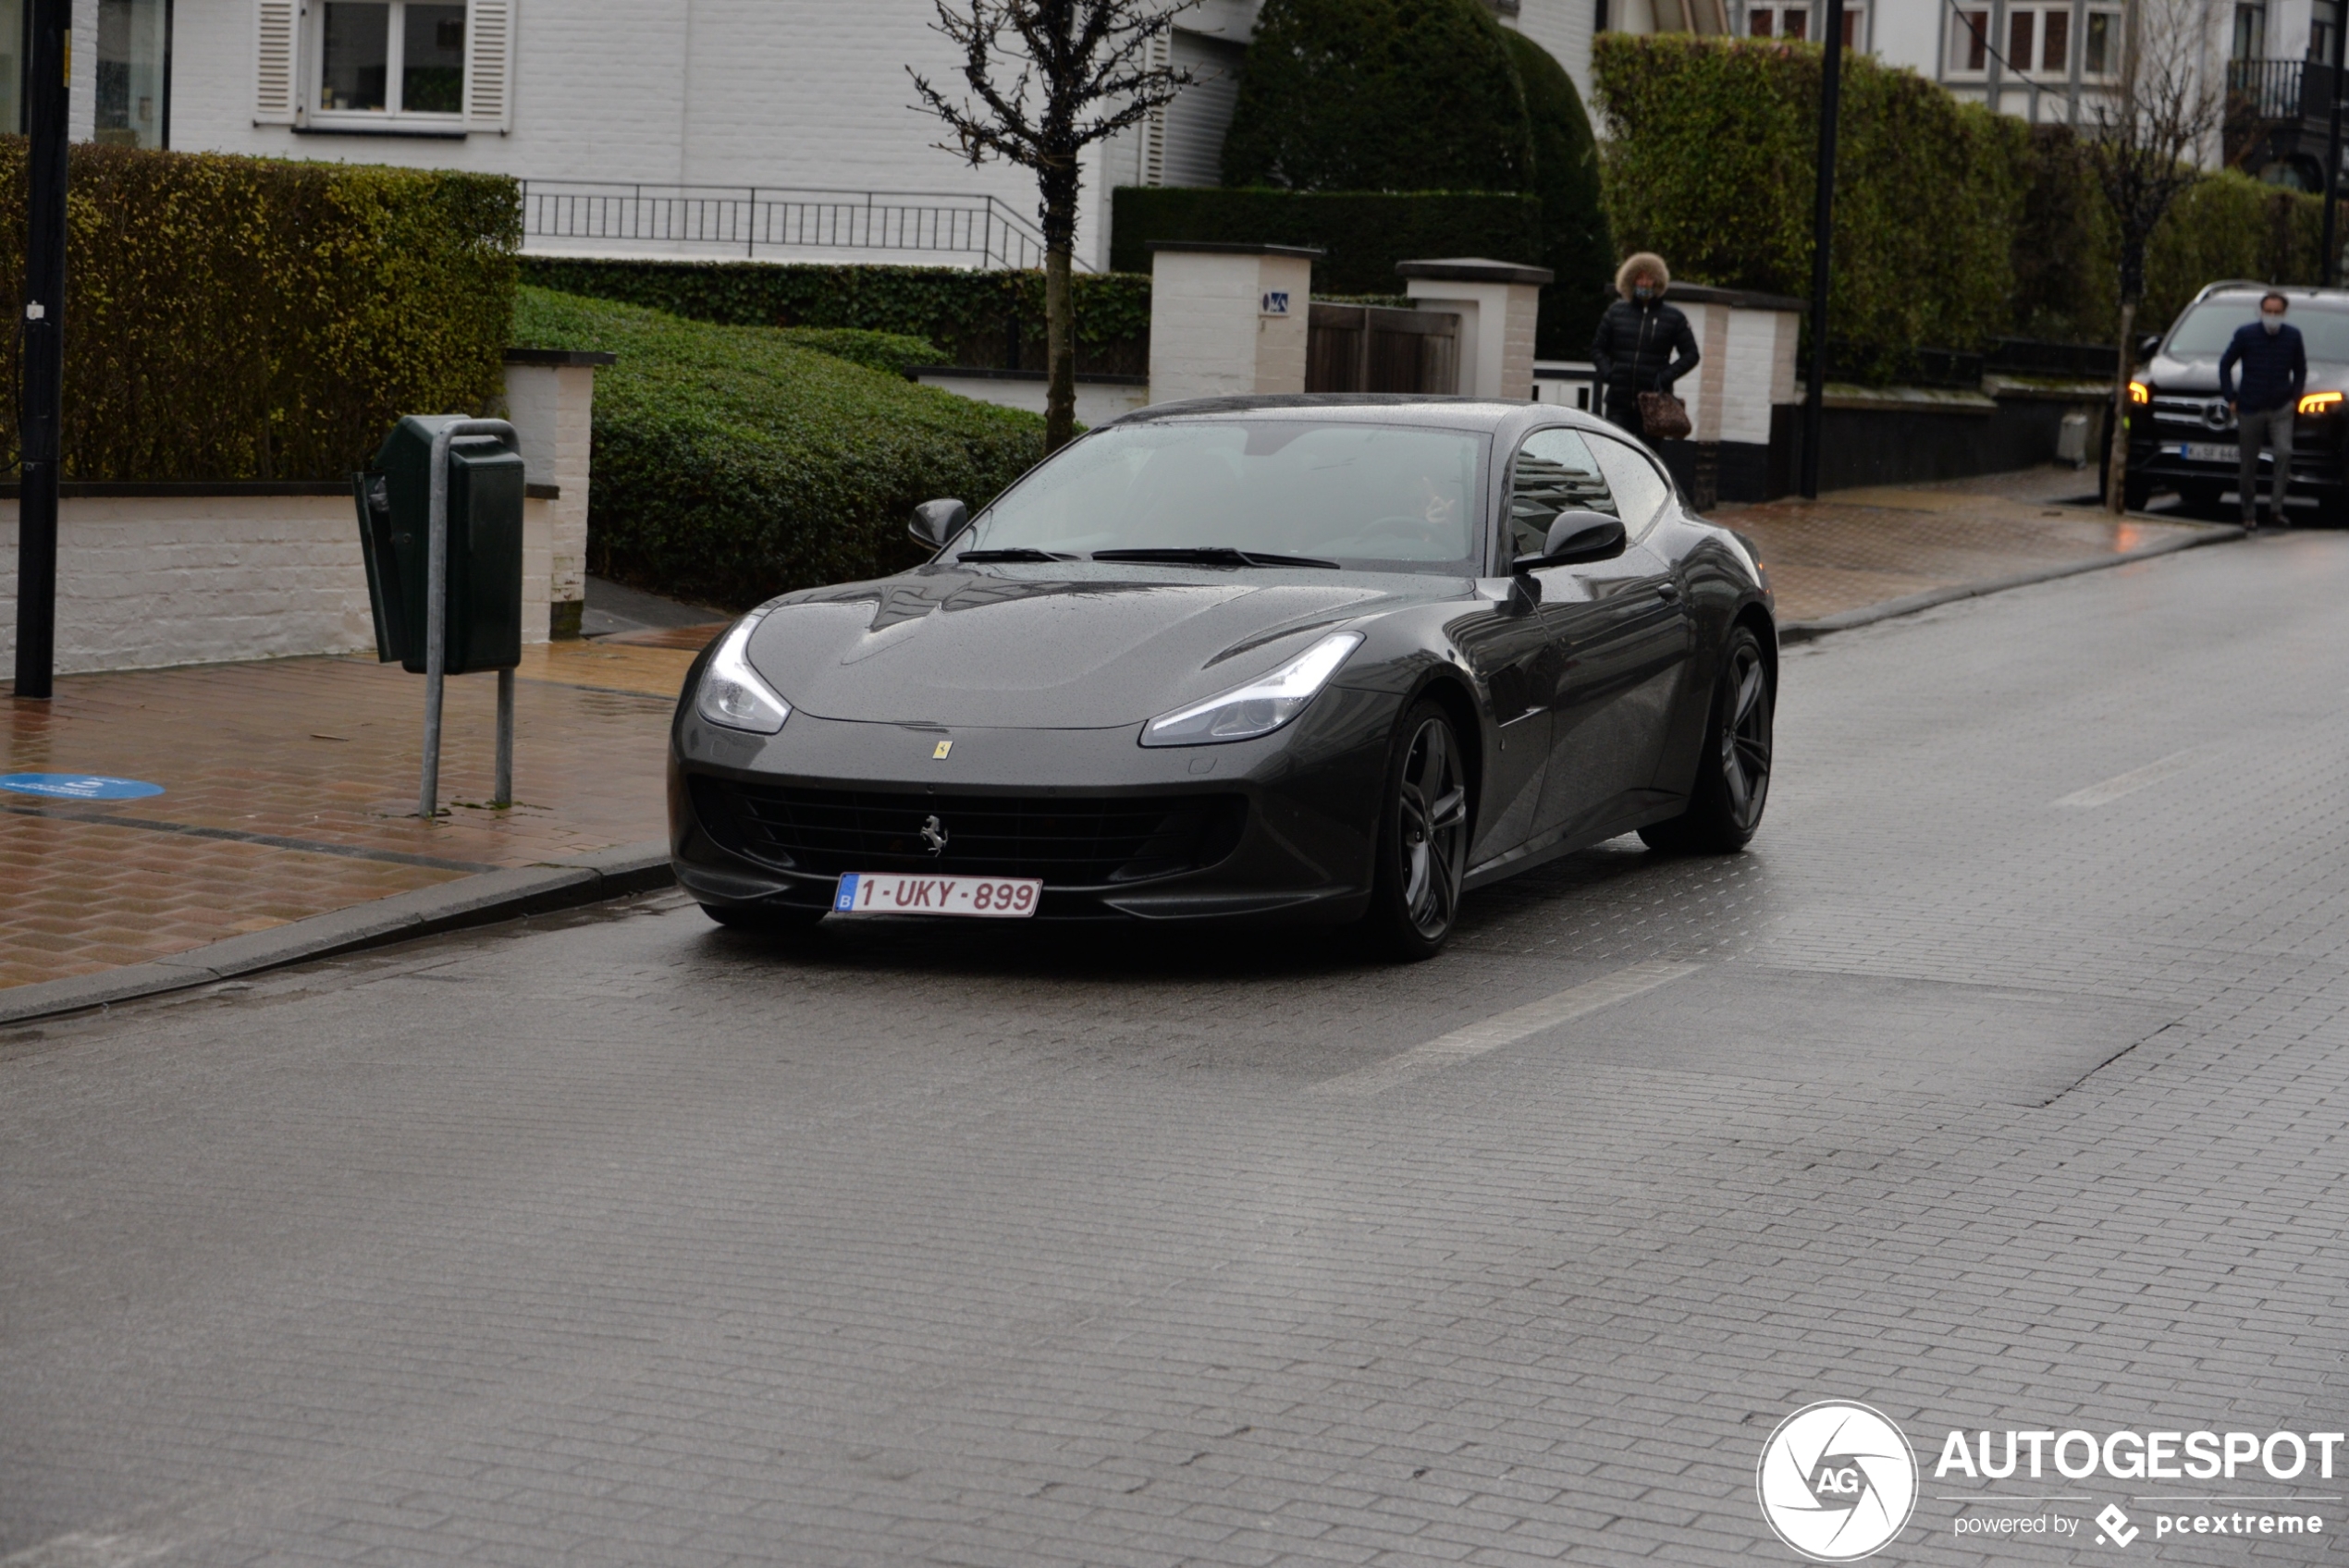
{"points": [[1228, 320]]}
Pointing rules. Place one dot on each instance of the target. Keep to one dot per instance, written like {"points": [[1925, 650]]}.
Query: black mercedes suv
{"points": [[2182, 436]]}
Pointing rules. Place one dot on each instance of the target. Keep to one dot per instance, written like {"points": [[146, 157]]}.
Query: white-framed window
{"points": [[426, 66], [1970, 42], [2038, 42], [1802, 19], [2100, 44]]}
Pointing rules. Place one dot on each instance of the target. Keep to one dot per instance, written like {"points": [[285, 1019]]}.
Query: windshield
{"points": [[1378, 496], [2207, 328]]}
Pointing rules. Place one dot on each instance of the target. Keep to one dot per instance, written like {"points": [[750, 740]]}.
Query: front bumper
{"points": [[2161, 452], [1280, 829]]}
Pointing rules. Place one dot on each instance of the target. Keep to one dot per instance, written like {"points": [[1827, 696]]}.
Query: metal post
{"points": [[505, 796], [436, 621], [41, 409], [1822, 226], [2331, 270]]}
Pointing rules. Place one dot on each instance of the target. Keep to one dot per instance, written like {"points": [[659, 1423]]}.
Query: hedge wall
{"points": [[1711, 165], [1378, 95], [1953, 226], [1364, 232], [732, 464], [1576, 244], [243, 318], [971, 316]]}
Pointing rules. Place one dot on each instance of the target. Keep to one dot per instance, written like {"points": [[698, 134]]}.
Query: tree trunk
{"points": [[1059, 352], [2116, 485]]}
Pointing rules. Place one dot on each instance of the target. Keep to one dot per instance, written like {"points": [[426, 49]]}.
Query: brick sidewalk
{"points": [[289, 786], [1853, 548], [289, 789]]}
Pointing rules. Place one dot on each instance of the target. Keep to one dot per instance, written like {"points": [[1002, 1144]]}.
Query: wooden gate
{"points": [[1374, 349]]}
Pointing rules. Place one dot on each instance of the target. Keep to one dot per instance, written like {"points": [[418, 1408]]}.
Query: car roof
{"points": [[2295, 293], [1482, 415]]}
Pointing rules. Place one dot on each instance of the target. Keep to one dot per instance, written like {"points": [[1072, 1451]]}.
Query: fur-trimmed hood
{"points": [[1641, 261]]}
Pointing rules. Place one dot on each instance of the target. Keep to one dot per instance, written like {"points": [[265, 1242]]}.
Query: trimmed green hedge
{"points": [[733, 464], [1575, 241], [234, 318], [1711, 163], [1378, 95], [890, 351], [970, 316], [1364, 232], [1953, 226]]}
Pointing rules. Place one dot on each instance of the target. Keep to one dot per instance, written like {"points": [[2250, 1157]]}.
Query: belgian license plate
{"points": [[2208, 452], [887, 892]]}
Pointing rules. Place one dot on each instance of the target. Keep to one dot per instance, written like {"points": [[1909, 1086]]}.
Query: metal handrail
{"points": [[2277, 90], [982, 229]]}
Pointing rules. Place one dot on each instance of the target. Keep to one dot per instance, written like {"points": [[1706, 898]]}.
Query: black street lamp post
{"points": [[1822, 223], [46, 62]]}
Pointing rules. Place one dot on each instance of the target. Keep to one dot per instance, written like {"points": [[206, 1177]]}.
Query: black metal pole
{"points": [[2330, 270], [1822, 224], [43, 385]]}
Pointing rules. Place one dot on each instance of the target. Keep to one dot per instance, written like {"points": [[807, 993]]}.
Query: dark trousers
{"points": [[1623, 408]]}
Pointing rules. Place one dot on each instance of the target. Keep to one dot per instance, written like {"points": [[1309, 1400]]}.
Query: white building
{"points": [[782, 128], [762, 127]]}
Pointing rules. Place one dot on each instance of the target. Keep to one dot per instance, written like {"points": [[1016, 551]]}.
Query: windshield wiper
{"points": [[1212, 555], [1019, 553]]}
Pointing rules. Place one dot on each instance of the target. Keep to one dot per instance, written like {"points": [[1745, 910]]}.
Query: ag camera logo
{"points": [[1837, 1481]]}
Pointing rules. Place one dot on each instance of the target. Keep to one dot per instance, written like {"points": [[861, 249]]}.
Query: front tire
{"points": [[1422, 839], [1733, 780]]}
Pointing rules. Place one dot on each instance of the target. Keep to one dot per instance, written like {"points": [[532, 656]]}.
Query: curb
{"points": [[423, 912], [1868, 615]]}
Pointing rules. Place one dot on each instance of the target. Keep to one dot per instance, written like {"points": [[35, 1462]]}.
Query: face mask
{"points": [[2273, 323], [1642, 291]]}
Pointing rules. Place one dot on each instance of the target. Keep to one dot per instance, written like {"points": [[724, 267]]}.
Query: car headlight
{"points": [[731, 692], [1260, 707], [2140, 394]]}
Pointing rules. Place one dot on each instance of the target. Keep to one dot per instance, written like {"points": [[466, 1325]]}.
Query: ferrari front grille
{"points": [[1068, 840]]}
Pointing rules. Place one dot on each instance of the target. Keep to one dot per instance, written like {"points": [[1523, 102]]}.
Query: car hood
{"points": [[963, 648], [2171, 376]]}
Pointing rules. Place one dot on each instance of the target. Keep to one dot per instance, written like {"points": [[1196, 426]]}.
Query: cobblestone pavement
{"points": [[298, 775], [1853, 548], [289, 789], [2002, 1086]]}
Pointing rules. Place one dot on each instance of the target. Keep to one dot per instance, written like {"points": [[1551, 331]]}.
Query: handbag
{"points": [[1663, 417]]}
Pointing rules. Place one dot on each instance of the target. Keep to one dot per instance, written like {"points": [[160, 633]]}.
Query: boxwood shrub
{"points": [[732, 464], [975, 318], [233, 318], [1364, 232]]}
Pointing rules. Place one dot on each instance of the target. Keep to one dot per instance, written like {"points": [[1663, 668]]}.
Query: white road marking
{"points": [[2130, 783], [1506, 1028], [81, 1550]]}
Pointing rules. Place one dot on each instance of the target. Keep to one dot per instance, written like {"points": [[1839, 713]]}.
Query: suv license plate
{"points": [[986, 897], [2208, 452]]}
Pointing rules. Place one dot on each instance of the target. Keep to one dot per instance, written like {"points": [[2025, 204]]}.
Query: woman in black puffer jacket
{"points": [[1643, 344]]}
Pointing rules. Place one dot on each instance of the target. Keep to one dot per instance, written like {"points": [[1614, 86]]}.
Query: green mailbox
{"points": [[483, 630]]}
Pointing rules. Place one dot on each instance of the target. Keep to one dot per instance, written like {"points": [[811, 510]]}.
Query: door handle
{"points": [[1668, 592]]}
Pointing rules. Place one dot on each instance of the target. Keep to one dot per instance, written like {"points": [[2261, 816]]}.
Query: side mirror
{"points": [[935, 523], [2148, 344], [1576, 537]]}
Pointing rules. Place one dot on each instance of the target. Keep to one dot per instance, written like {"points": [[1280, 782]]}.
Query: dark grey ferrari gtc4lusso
{"points": [[1326, 658]]}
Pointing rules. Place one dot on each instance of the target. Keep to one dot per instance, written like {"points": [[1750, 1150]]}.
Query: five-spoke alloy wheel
{"points": [[1733, 775], [1422, 837]]}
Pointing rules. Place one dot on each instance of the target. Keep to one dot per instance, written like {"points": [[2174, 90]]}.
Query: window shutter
{"points": [[489, 66], [277, 24]]}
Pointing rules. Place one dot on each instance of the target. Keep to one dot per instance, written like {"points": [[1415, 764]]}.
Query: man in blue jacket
{"points": [[2275, 366]]}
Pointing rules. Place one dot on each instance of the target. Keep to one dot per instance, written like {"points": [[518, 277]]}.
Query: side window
{"points": [[1639, 488], [1554, 472]]}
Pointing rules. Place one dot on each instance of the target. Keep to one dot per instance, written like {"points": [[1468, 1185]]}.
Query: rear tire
{"points": [[1733, 778], [1422, 839], [764, 919]]}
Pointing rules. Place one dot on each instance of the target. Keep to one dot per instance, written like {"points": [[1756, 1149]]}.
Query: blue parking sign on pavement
{"points": [[79, 786]]}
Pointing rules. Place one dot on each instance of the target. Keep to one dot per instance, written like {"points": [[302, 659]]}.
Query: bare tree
{"points": [[2151, 133], [1084, 72]]}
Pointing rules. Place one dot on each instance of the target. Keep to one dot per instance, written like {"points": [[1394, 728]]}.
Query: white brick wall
{"points": [[144, 581]]}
